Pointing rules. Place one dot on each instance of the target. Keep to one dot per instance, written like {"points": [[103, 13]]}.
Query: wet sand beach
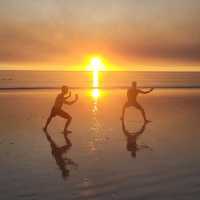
{"points": [[99, 163]]}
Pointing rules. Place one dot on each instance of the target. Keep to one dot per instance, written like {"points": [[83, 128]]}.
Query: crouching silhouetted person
{"points": [[57, 108], [132, 95]]}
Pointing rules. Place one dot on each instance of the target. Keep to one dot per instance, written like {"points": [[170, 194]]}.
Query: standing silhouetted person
{"points": [[132, 94], [57, 108]]}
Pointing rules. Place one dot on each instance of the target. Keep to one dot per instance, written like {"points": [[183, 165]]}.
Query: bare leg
{"points": [[124, 110], [139, 107], [47, 123], [69, 119]]}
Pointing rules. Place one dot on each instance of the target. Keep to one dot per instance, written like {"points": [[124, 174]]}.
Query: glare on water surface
{"points": [[95, 66]]}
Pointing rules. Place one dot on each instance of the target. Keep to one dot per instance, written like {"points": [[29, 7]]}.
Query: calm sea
{"points": [[54, 79]]}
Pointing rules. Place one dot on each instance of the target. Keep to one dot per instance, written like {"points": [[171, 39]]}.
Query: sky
{"points": [[127, 34]]}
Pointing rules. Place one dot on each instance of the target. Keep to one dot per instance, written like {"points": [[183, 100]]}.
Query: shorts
{"points": [[58, 112]]}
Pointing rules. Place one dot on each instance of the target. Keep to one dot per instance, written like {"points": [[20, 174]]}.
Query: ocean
{"points": [[79, 80]]}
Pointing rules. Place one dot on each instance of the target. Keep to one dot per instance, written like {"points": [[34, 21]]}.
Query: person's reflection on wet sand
{"points": [[132, 138], [58, 153]]}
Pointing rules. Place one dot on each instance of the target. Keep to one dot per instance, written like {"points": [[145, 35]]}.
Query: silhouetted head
{"points": [[64, 89], [134, 84]]}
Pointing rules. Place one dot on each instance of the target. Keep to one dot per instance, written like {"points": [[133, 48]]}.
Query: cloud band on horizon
{"points": [[136, 31]]}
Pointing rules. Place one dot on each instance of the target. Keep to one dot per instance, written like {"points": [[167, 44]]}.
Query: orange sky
{"points": [[128, 34]]}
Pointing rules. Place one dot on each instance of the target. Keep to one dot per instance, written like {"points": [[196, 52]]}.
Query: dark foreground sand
{"points": [[99, 165]]}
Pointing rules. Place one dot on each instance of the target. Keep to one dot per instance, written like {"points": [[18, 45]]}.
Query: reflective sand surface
{"points": [[100, 164]]}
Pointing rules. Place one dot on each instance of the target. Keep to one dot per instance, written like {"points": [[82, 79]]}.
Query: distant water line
{"points": [[20, 80]]}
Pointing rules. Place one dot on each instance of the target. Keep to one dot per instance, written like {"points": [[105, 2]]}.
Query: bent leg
{"points": [[126, 105], [48, 122], [139, 107], [65, 115], [52, 115]]}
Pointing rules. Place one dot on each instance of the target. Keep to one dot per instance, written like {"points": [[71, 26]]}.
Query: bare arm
{"points": [[146, 92], [69, 95], [72, 102]]}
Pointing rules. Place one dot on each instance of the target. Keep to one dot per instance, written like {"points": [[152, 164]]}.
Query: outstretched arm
{"points": [[146, 92], [72, 102], [69, 95]]}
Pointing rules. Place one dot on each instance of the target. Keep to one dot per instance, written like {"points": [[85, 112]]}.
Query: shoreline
{"points": [[100, 88]]}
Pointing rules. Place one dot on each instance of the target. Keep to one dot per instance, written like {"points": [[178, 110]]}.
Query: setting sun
{"points": [[96, 62], [96, 65]]}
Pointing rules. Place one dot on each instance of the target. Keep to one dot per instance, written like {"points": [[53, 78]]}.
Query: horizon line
{"points": [[100, 88], [42, 70]]}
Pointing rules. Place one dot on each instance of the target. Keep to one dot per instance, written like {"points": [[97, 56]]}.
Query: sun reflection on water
{"points": [[96, 136], [95, 94], [95, 66]]}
